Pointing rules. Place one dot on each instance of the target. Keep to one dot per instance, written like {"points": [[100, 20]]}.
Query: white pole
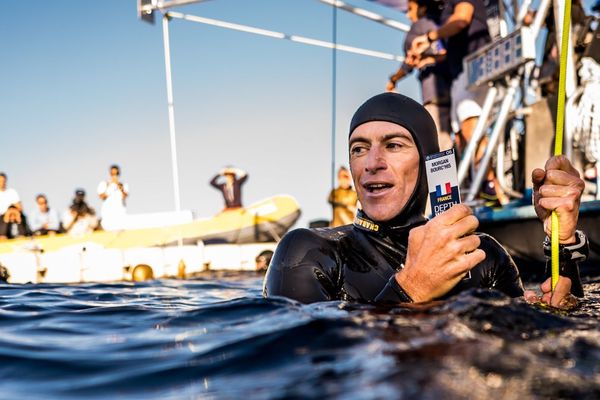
{"points": [[361, 12], [171, 112], [281, 35]]}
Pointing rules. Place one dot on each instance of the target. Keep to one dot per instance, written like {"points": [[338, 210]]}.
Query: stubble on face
{"points": [[384, 161]]}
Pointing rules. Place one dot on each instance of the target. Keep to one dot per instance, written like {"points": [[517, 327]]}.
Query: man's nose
{"points": [[375, 160]]}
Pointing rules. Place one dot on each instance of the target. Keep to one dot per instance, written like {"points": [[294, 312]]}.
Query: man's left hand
{"points": [[558, 187], [561, 297]]}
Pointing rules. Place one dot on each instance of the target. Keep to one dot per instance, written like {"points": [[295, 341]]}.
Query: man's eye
{"points": [[357, 150], [394, 145]]}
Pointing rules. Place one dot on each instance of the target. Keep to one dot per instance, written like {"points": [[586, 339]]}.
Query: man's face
{"points": [[42, 204], [2, 182], [384, 161], [413, 11], [114, 173]]}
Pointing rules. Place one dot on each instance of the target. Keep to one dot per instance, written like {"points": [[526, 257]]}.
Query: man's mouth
{"points": [[377, 187]]}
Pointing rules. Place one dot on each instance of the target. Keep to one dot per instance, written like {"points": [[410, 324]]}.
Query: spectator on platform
{"points": [[80, 218], [13, 224], [434, 73], [229, 181], [44, 220], [8, 196], [113, 193]]}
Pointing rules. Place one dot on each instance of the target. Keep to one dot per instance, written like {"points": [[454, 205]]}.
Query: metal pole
{"points": [[491, 146], [540, 17], [171, 108], [361, 12], [477, 133], [281, 35], [333, 94]]}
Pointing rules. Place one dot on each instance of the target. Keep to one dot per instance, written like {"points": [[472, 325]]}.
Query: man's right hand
{"points": [[440, 253]]}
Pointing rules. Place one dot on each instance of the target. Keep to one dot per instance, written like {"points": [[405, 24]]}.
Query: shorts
{"points": [[465, 103]]}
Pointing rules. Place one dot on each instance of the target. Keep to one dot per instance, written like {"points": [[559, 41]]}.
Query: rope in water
{"points": [[560, 118]]}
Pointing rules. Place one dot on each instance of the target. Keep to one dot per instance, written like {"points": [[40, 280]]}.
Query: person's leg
{"points": [[442, 123]]}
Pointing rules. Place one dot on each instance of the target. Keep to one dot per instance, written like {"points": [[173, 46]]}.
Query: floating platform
{"points": [[229, 240]]}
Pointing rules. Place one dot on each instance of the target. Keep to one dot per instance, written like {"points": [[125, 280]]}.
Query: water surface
{"points": [[217, 338]]}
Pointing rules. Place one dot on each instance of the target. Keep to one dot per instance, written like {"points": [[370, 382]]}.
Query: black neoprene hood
{"points": [[404, 111]]}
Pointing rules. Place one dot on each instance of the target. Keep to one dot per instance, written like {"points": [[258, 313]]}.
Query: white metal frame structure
{"points": [[503, 91], [147, 8]]}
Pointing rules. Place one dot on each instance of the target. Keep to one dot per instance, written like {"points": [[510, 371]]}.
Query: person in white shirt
{"points": [[8, 196], [44, 220], [113, 193]]}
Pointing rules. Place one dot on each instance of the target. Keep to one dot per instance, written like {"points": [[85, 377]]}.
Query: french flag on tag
{"points": [[447, 189]]}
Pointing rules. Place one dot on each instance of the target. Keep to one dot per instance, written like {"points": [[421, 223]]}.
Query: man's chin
{"points": [[378, 214]]}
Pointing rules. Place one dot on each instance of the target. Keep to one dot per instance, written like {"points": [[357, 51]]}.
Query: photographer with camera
{"points": [[80, 218], [113, 193]]}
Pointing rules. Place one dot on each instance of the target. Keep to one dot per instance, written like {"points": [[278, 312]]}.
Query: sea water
{"points": [[218, 338]]}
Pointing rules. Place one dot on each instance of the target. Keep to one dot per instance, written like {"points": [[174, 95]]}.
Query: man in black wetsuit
{"points": [[392, 253]]}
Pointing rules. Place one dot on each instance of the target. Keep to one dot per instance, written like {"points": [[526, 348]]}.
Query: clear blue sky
{"points": [[83, 86]]}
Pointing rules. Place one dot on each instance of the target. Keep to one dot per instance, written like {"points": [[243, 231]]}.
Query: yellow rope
{"points": [[560, 118]]}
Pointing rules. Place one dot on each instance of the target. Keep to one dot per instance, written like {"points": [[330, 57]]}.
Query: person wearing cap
{"points": [[80, 218], [392, 253], [229, 181], [343, 199]]}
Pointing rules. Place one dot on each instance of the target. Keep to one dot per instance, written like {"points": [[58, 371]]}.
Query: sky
{"points": [[83, 87]]}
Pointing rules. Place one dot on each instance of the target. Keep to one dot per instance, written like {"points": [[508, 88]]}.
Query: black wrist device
{"points": [[577, 251]]}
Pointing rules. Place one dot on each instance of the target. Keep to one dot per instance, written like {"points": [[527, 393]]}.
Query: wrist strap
{"points": [[577, 251]]}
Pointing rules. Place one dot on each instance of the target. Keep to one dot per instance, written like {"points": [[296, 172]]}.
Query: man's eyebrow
{"points": [[358, 139], [401, 135]]}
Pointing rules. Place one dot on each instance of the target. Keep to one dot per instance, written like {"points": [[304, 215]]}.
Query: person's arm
{"points": [[102, 187], [3, 228], [213, 182], [69, 219], [558, 187], [502, 273], [243, 178], [124, 188], [461, 17], [26, 231], [302, 268]]}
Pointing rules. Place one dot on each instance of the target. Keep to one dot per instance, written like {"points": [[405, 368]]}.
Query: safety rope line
{"points": [[560, 120]]}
